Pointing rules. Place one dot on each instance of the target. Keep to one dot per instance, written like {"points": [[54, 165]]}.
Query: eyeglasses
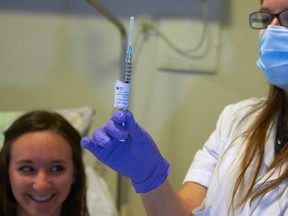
{"points": [[261, 20]]}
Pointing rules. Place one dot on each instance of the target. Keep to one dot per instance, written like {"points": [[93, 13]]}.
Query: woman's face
{"points": [[41, 173], [275, 6]]}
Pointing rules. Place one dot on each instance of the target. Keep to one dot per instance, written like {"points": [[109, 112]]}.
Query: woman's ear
{"points": [[74, 179]]}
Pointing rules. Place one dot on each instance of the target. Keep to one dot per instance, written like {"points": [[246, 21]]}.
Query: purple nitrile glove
{"points": [[129, 150]]}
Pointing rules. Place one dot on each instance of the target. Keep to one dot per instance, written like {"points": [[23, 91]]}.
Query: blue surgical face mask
{"points": [[273, 55]]}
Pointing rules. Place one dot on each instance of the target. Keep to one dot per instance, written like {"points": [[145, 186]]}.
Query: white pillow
{"points": [[80, 118], [99, 200]]}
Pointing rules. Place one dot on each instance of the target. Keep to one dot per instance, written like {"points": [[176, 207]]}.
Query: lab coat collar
{"points": [[269, 148], [268, 159]]}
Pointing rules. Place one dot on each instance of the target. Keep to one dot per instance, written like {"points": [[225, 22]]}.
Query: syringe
{"points": [[128, 59], [122, 88]]}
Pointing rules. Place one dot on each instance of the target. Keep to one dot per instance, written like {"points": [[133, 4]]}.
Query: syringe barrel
{"points": [[128, 68]]}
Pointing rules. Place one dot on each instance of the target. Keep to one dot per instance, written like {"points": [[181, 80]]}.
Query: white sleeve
{"points": [[205, 160], [229, 126]]}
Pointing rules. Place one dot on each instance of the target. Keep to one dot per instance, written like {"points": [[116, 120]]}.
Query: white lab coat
{"points": [[216, 164]]}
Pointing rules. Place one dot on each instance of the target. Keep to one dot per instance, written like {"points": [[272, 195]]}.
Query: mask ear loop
{"points": [[262, 33], [259, 63]]}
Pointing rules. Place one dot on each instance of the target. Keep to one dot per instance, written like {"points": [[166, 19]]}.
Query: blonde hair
{"points": [[274, 107]]}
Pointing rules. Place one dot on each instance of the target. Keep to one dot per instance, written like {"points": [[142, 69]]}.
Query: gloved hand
{"points": [[129, 150]]}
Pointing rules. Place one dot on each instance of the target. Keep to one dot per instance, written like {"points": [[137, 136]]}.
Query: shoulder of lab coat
{"points": [[229, 126]]}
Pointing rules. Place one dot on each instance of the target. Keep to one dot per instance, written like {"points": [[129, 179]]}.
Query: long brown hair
{"points": [[75, 203], [274, 107]]}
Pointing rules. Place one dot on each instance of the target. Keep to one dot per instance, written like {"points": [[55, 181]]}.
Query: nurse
{"points": [[242, 169]]}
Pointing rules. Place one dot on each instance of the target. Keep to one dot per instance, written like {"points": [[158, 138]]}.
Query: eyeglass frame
{"points": [[272, 17]]}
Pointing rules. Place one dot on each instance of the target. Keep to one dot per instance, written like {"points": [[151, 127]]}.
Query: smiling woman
{"points": [[41, 168], [41, 172]]}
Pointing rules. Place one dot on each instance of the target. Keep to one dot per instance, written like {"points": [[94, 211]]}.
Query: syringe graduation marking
{"points": [[128, 69], [128, 59]]}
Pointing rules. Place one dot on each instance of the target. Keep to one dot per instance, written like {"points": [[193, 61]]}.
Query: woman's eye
{"points": [[26, 169], [57, 168]]}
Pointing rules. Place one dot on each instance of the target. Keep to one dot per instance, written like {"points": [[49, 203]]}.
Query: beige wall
{"points": [[63, 61]]}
